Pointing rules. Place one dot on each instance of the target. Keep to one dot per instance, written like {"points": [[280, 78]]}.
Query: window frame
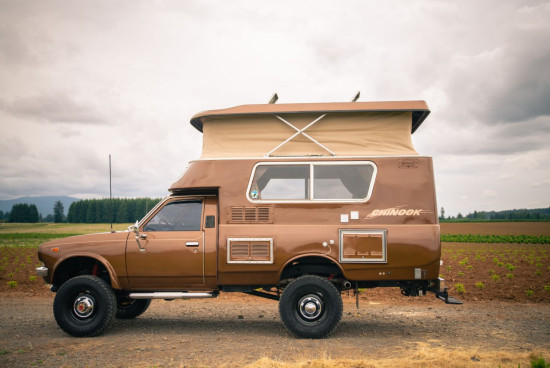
{"points": [[312, 165], [168, 200]]}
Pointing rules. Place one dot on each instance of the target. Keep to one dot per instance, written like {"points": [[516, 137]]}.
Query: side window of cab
{"points": [[177, 216]]}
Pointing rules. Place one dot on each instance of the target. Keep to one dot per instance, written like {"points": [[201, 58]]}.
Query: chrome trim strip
{"points": [[312, 164], [42, 271], [384, 258], [270, 240], [171, 295]]}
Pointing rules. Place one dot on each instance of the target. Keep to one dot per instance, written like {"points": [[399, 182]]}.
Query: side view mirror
{"points": [[135, 229]]}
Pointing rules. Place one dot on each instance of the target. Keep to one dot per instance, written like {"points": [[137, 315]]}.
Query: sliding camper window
{"points": [[345, 181]]}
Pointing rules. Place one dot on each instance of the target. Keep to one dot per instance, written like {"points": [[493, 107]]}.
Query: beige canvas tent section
{"points": [[339, 129]]}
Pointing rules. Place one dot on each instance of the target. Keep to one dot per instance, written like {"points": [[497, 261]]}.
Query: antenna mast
{"points": [[110, 194]]}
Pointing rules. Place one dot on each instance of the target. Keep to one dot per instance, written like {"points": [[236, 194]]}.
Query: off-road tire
{"points": [[310, 307], [84, 306], [128, 308]]}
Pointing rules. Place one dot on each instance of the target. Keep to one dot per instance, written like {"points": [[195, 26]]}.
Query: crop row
{"points": [[484, 238]]}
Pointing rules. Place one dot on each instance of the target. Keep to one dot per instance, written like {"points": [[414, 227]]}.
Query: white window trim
{"points": [[311, 165]]}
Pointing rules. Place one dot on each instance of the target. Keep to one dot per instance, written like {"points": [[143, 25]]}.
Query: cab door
{"points": [[168, 253]]}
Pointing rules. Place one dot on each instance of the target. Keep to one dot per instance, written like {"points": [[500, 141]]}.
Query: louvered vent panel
{"points": [[248, 250], [240, 251], [264, 214], [236, 213], [260, 251], [250, 215]]}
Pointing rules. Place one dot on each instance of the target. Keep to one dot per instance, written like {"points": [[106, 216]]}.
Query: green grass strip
{"points": [[484, 238], [22, 236]]}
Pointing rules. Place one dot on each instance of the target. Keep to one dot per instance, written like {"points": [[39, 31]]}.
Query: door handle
{"points": [[192, 244]]}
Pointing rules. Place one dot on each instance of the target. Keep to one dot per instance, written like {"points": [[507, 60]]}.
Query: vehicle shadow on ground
{"points": [[200, 326], [261, 327]]}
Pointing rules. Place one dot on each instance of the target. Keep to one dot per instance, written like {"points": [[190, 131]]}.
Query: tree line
{"points": [[118, 210], [22, 212], [537, 214]]}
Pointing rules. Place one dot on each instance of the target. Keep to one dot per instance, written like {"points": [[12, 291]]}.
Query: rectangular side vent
{"points": [[250, 215], [250, 250]]}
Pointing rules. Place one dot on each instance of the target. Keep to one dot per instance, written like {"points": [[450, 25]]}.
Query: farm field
{"points": [[473, 271]]}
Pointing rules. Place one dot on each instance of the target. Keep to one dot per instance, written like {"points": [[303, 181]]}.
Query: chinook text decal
{"points": [[396, 211]]}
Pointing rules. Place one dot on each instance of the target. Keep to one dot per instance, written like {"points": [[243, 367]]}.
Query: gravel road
{"points": [[236, 330]]}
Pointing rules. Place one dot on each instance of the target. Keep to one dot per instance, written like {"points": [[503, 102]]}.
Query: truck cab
{"points": [[291, 202]]}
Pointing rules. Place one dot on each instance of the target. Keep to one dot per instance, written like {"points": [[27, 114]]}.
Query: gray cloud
{"points": [[13, 49], [499, 72], [58, 108], [526, 94], [124, 77]]}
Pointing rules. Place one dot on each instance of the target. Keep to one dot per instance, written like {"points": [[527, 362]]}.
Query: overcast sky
{"points": [[80, 80]]}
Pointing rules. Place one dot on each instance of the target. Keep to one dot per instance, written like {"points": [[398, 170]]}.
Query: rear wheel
{"points": [[310, 307], [128, 308], [84, 306]]}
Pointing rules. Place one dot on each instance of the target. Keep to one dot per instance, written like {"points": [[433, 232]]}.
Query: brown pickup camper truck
{"points": [[292, 202]]}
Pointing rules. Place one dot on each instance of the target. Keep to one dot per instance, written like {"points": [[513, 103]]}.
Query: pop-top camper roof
{"points": [[312, 129]]}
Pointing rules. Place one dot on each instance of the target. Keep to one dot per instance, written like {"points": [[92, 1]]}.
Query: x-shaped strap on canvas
{"points": [[302, 132]]}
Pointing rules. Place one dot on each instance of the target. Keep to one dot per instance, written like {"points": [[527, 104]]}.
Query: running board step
{"points": [[173, 295]]}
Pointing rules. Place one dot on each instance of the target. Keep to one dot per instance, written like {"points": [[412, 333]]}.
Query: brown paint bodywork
{"points": [[106, 248], [297, 229]]}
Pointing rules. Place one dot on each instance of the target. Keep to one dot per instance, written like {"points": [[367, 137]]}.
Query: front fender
{"points": [[115, 284]]}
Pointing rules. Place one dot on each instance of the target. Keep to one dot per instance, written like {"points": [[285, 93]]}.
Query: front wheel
{"points": [[310, 307], [84, 306], [128, 308]]}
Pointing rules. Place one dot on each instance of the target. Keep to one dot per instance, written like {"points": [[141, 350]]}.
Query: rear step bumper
{"points": [[173, 295], [444, 296]]}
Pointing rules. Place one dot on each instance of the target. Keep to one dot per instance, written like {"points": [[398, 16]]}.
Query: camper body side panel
{"points": [[402, 205]]}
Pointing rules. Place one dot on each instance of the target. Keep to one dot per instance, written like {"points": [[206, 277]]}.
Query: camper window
{"points": [[281, 182], [340, 182]]}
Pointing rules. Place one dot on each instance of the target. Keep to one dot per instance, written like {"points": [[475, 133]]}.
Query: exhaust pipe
{"points": [[346, 284]]}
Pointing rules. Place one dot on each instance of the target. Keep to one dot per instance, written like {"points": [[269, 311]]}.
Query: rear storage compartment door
{"points": [[363, 246]]}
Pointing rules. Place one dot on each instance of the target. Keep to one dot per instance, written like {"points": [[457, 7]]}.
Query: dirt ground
{"points": [[235, 330], [496, 228]]}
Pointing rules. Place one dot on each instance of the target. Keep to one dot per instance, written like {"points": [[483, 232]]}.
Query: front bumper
{"points": [[42, 271]]}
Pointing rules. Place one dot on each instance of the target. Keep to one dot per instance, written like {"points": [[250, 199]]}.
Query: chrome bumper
{"points": [[42, 271]]}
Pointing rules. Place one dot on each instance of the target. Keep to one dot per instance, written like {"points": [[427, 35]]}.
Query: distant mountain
{"points": [[44, 203]]}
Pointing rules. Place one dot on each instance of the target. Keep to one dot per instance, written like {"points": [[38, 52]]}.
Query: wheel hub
{"points": [[83, 306], [310, 307]]}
